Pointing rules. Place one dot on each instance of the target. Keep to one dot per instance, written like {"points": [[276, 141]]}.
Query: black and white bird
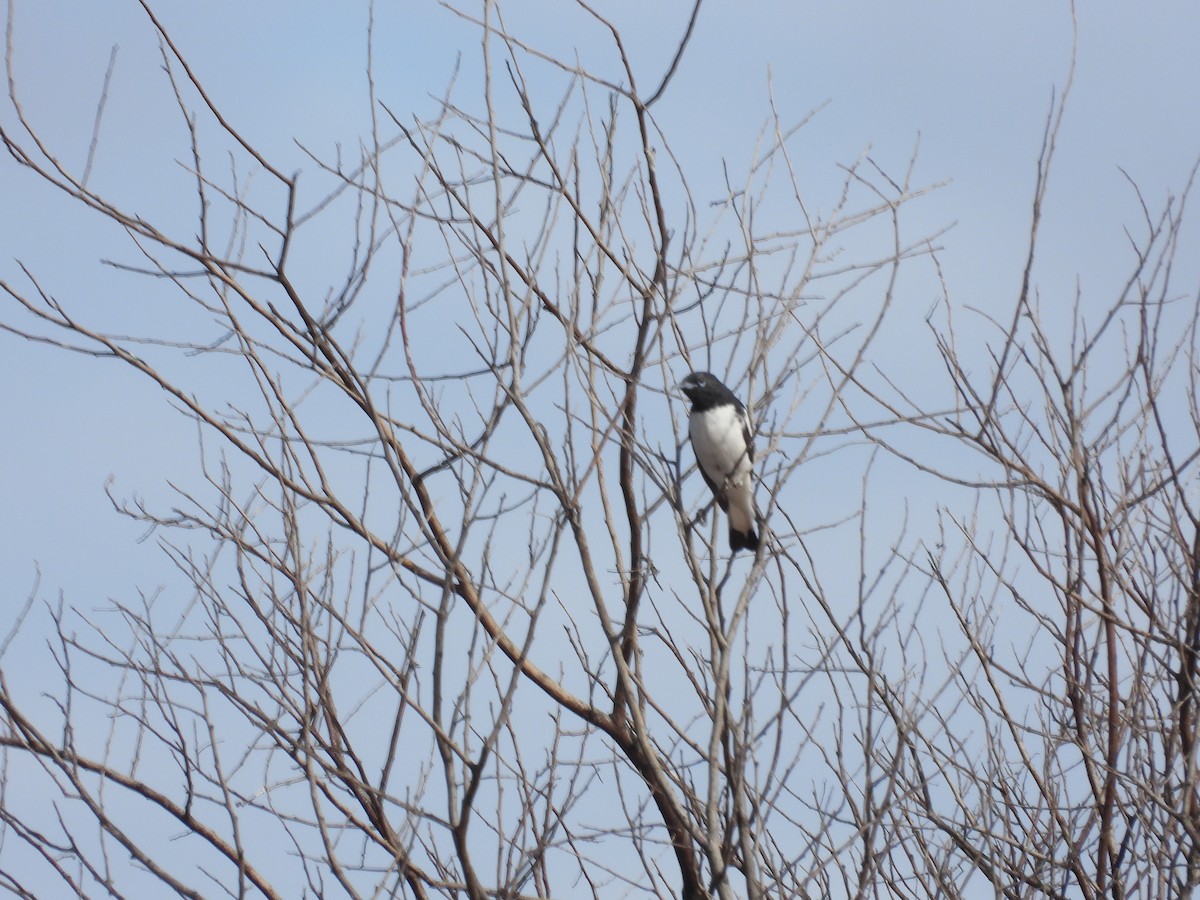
{"points": [[722, 440]]}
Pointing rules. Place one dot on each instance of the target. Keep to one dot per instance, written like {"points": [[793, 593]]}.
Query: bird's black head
{"points": [[705, 390]]}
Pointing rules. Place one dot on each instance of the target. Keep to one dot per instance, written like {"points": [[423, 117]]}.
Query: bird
{"points": [[721, 438]]}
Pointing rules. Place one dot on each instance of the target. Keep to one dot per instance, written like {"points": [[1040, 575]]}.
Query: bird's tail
{"points": [[742, 532], [743, 540]]}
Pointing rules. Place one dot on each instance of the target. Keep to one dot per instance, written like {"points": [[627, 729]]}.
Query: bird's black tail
{"points": [[743, 540]]}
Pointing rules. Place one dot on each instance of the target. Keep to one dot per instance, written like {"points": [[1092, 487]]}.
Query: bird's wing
{"points": [[718, 491], [747, 435]]}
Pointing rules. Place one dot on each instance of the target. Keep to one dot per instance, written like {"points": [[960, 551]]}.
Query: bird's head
{"points": [[699, 386]]}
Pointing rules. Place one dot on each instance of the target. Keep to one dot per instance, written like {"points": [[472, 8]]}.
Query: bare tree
{"points": [[454, 615]]}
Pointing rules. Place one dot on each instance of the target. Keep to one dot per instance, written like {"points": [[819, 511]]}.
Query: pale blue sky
{"points": [[972, 82]]}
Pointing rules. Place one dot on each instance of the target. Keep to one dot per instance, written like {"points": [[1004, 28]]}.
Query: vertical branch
{"points": [[1094, 534]]}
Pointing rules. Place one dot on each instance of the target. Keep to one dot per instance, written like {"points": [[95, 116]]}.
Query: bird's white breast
{"points": [[718, 440]]}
